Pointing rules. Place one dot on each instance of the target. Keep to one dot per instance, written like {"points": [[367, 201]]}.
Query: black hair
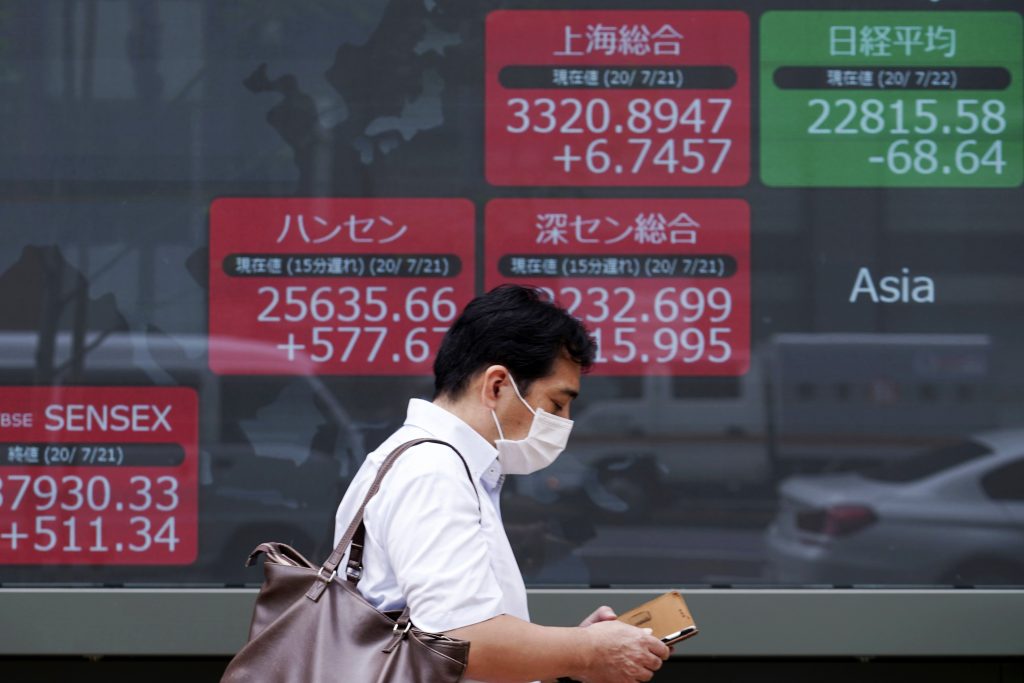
{"points": [[511, 326]]}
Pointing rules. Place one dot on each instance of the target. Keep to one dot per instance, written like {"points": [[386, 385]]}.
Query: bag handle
{"points": [[356, 532]]}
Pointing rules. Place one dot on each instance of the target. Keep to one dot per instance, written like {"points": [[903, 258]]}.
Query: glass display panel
{"points": [[234, 234]]}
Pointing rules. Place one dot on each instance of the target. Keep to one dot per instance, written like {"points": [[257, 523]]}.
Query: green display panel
{"points": [[891, 99]]}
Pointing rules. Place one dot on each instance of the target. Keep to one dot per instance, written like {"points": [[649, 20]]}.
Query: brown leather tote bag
{"points": [[311, 626]]}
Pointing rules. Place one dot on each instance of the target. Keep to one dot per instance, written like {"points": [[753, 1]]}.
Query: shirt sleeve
{"points": [[431, 531]]}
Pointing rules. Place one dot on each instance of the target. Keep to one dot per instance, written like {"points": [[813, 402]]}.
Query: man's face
{"points": [[553, 393]]}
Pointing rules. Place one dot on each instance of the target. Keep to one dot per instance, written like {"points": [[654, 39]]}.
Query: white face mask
{"points": [[545, 441]]}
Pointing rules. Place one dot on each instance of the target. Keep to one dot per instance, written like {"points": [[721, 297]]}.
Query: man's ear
{"points": [[490, 388]]}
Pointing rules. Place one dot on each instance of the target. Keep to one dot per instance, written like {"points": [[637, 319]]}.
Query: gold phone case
{"points": [[667, 616]]}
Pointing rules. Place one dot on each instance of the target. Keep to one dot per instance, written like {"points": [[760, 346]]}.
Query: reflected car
{"points": [[633, 454], [953, 515]]}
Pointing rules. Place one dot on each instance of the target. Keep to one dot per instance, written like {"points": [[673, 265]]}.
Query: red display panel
{"points": [[98, 475], [336, 286], [617, 98], [663, 284]]}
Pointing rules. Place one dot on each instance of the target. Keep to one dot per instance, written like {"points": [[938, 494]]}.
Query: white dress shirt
{"points": [[431, 543]]}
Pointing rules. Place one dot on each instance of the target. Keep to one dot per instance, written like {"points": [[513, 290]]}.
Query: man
{"points": [[505, 377]]}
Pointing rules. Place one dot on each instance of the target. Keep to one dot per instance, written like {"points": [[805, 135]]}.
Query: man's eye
{"points": [[558, 407]]}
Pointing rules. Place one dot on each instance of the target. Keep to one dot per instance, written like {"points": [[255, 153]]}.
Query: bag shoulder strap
{"points": [[355, 534]]}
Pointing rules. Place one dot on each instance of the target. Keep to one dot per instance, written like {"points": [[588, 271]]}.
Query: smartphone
{"points": [[667, 616]]}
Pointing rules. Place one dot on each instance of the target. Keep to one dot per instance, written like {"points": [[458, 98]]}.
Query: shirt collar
{"points": [[480, 455]]}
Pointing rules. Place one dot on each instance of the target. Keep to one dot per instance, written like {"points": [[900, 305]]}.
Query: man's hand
{"points": [[603, 651], [620, 653], [602, 613]]}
